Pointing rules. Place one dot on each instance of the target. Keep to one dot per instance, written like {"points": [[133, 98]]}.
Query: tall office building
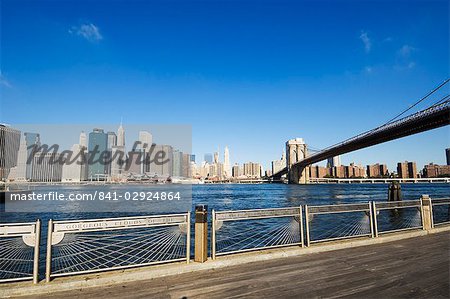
{"points": [[177, 163], [192, 158], [74, 170], [216, 157], [208, 158], [121, 135], [112, 140], [447, 155], [186, 166], [46, 168], [236, 171], [118, 160], [161, 157], [98, 145], [83, 139], [20, 173], [226, 163], [278, 165], [334, 161], [146, 139], [9, 149], [32, 140], [252, 170]]}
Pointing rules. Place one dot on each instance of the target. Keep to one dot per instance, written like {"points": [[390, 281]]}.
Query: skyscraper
{"points": [[226, 163], [21, 169], [216, 157], [32, 139], [98, 144], [177, 163], [146, 139], [112, 140], [83, 139], [75, 170], [334, 161], [121, 135], [9, 149]]}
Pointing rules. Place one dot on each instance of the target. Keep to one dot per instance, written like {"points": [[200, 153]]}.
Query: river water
{"points": [[245, 196]]}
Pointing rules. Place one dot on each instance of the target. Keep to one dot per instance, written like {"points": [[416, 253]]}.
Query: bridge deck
{"points": [[416, 267]]}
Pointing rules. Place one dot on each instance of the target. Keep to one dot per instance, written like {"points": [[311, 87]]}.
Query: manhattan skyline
{"points": [[250, 76]]}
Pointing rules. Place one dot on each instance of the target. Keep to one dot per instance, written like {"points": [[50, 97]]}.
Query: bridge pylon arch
{"points": [[296, 151]]}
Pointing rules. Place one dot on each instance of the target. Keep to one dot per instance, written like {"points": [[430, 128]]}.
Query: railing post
{"points": [[213, 235], [307, 225], [36, 252], [48, 262], [301, 226], [374, 219], [201, 233], [188, 238], [372, 232], [427, 212]]}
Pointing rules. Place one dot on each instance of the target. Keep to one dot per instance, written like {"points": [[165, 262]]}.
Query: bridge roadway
{"points": [[414, 267]]}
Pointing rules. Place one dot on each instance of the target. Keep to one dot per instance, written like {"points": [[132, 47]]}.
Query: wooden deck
{"points": [[416, 267]]}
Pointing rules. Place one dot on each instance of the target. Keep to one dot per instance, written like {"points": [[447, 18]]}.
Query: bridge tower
{"points": [[296, 150]]}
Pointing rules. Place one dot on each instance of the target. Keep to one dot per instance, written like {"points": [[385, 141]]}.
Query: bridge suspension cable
{"points": [[419, 101]]}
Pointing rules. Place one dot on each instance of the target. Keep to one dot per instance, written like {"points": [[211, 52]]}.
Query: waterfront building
{"points": [[236, 171], [9, 149], [161, 157], [20, 171], [98, 143], [252, 170], [74, 170], [135, 162], [118, 160], [177, 163], [46, 167], [185, 165], [354, 171], [377, 170], [33, 140], [407, 170], [208, 158], [316, 171], [278, 165], [434, 171], [226, 163]]}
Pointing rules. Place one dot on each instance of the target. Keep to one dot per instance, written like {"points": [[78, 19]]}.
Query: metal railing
{"points": [[336, 223], [265, 228], [440, 211], [394, 216], [86, 246], [19, 251]]}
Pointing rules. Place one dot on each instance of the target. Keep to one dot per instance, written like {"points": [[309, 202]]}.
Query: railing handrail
{"points": [[114, 218], [294, 211]]}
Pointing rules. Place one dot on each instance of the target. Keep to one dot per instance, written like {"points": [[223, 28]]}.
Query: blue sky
{"points": [[247, 74]]}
